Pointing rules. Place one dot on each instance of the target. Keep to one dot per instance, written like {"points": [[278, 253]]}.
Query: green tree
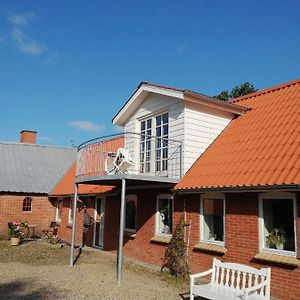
{"points": [[176, 253], [237, 91]]}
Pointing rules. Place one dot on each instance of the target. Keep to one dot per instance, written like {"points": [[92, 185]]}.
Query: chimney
{"points": [[28, 136]]}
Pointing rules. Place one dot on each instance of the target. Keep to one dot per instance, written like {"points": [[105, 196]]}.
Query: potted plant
{"points": [[276, 238], [16, 233]]}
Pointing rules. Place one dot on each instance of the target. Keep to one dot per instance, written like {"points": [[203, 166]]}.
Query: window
{"points": [[145, 146], [59, 205], [162, 134], [155, 126], [212, 220], [27, 204], [277, 216], [131, 208], [70, 219], [164, 215]]}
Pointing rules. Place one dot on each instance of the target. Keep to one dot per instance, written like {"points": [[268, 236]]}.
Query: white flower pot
{"points": [[15, 241]]}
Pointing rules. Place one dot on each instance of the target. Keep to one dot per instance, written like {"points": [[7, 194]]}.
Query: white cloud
{"points": [[22, 19], [27, 45], [85, 125]]}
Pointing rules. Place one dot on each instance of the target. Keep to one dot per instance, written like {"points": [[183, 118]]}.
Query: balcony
{"points": [[130, 156]]}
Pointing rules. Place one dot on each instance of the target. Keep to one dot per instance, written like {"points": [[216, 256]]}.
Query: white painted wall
{"points": [[201, 127]]}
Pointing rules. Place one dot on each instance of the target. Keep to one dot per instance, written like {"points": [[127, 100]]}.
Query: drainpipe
{"points": [[73, 226], [121, 233]]}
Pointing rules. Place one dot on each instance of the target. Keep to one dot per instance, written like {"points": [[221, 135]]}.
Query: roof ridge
{"points": [[36, 145], [265, 91]]}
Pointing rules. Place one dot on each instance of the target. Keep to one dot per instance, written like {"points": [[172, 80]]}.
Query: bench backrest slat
{"points": [[238, 277]]}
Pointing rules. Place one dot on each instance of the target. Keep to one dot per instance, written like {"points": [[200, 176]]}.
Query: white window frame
{"points": [[161, 197], [153, 149], [27, 211], [70, 217], [131, 197], [57, 214], [276, 195], [212, 196]]}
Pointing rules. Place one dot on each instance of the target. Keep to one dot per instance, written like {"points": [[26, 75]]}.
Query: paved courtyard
{"points": [[38, 270]]}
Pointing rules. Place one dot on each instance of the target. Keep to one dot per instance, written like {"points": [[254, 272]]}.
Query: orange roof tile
{"points": [[259, 148], [66, 186]]}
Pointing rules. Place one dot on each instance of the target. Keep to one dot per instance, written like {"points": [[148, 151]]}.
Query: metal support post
{"points": [[121, 233], [73, 225]]}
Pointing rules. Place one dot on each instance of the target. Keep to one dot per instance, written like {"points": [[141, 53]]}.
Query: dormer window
{"points": [[154, 144]]}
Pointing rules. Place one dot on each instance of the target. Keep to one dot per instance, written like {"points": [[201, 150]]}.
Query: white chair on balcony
{"points": [[122, 161]]}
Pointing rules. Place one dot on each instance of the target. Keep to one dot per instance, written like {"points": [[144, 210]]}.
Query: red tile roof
{"points": [[66, 186], [259, 148]]}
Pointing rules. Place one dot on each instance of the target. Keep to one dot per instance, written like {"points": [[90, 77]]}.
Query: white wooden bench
{"points": [[232, 281]]}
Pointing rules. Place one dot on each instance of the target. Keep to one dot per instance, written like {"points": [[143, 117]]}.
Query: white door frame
{"points": [[102, 209]]}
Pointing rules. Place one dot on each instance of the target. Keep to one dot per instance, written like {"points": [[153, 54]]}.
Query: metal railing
{"points": [[149, 156]]}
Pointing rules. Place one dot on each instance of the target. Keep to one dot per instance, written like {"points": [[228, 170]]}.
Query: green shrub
{"points": [[176, 253]]}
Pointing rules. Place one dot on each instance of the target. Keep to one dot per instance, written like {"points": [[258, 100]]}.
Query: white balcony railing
{"points": [[147, 155]]}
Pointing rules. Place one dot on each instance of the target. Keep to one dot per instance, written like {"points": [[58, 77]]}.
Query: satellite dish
{"points": [[109, 162], [123, 160]]}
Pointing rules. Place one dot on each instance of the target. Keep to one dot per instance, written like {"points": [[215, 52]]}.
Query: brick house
{"points": [[246, 185], [28, 173], [232, 169]]}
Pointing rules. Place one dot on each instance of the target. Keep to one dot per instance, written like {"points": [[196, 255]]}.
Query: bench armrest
{"points": [[256, 287], [194, 276]]}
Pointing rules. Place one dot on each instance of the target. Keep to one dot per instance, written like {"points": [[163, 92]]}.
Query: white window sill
{"points": [[130, 234], [209, 247], [279, 259]]}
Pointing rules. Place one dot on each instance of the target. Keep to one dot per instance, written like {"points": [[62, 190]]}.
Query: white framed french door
{"points": [[98, 237]]}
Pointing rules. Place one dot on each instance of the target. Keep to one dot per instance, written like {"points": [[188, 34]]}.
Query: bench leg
{"points": [[191, 296]]}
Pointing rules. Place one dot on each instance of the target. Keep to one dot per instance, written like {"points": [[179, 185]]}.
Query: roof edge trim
{"points": [[144, 87], [238, 188], [265, 91]]}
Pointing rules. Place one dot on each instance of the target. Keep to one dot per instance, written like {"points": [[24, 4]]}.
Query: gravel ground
{"points": [[40, 271]]}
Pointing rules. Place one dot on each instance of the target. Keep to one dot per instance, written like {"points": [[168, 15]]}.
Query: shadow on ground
{"points": [[23, 290]]}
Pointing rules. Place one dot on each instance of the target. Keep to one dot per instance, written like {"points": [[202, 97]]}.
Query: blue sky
{"points": [[66, 67]]}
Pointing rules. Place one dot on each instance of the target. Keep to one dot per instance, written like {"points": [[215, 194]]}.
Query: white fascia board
{"points": [[234, 109], [138, 97]]}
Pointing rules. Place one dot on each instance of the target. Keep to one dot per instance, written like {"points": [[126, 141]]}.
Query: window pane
{"points": [[213, 213], [165, 217], [158, 120], [278, 217], [165, 130], [165, 118], [143, 126], [158, 131], [149, 123]]}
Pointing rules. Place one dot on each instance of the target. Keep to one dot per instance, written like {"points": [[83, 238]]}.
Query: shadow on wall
{"points": [[23, 289]]}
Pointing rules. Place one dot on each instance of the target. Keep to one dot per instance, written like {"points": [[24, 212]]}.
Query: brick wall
{"points": [[11, 211], [242, 241], [140, 247], [65, 228]]}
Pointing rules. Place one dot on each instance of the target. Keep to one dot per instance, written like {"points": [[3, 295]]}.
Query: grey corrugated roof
{"points": [[31, 168]]}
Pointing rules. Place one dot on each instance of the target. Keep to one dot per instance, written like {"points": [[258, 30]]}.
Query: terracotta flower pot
{"points": [[15, 241]]}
